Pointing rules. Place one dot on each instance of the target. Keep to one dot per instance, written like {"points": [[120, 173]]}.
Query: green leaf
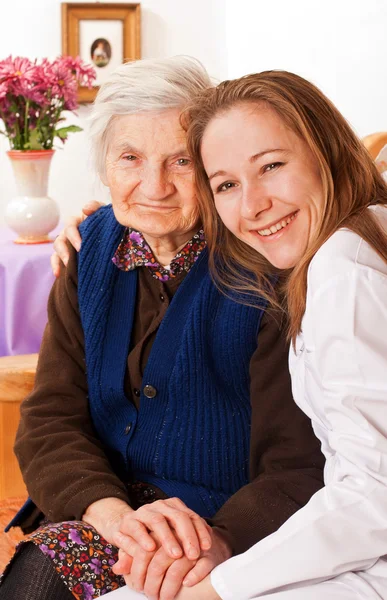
{"points": [[63, 132], [33, 143]]}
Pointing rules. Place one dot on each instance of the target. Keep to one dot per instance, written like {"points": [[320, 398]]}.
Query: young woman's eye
{"points": [[228, 185], [272, 166]]}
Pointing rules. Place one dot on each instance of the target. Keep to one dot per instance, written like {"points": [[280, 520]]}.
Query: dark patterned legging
{"points": [[32, 577]]}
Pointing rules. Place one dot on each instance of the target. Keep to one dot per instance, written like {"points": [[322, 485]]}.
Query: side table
{"points": [[25, 282]]}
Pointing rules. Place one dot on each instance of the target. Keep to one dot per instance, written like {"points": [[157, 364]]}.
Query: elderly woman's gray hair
{"points": [[144, 85]]}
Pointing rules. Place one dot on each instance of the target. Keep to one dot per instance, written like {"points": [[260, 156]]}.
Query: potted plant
{"points": [[33, 98]]}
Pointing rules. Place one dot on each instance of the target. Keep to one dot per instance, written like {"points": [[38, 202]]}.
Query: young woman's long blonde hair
{"points": [[350, 180]]}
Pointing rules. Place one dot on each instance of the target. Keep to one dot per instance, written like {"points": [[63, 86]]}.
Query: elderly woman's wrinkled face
{"points": [[265, 181], [150, 175]]}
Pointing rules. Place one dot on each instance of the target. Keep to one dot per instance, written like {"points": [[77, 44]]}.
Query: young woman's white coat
{"points": [[339, 377]]}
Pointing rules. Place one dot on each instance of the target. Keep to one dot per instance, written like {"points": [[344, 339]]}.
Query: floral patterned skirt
{"points": [[82, 558]]}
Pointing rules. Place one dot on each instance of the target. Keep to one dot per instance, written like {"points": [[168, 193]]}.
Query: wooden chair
{"points": [[17, 376], [375, 142]]}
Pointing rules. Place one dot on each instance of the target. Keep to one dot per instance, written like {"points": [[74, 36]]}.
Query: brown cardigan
{"points": [[64, 464]]}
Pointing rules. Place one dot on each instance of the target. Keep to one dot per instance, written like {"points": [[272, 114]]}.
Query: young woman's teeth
{"points": [[277, 226]]}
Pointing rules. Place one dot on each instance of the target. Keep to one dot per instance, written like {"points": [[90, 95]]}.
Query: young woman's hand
{"points": [[201, 591], [160, 576], [70, 233]]}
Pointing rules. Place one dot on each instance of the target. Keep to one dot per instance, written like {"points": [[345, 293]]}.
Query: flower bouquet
{"points": [[33, 97]]}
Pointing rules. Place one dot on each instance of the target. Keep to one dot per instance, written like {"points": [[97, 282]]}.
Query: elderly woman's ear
{"points": [[70, 233]]}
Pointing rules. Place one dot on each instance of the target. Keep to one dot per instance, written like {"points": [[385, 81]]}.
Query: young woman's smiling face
{"points": [[265, 180]]}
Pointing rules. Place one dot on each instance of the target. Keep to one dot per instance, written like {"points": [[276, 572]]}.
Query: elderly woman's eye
{"points": [[129, 157], [225, 186], [183, 162]]}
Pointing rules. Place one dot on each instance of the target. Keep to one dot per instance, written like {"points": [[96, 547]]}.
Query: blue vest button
{"points": [[149, 391], [128, 428]]}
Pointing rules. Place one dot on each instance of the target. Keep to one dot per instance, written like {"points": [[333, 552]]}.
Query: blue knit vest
{"points": [[192, 439]]}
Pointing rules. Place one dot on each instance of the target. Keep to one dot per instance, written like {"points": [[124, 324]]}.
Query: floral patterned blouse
{"points": [[133, 251]]}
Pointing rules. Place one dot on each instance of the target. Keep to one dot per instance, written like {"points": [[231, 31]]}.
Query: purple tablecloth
{"points": [[25, 282]]}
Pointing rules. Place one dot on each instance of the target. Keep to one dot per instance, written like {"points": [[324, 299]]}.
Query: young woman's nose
{"points": [[254, 200], [155, 183]]}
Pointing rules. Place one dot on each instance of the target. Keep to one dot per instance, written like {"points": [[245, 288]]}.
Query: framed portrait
{"points": [[104, 35]]}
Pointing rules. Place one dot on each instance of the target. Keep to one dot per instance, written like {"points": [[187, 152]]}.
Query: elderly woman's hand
{"points": [[70, 233], [160, 576], [169, 521], [176, 526], [106, 516]]}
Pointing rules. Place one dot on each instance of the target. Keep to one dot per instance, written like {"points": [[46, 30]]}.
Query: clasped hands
{"points": [[164, 546]]}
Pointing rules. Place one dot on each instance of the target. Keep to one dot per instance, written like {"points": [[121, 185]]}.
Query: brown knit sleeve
{"points": [[62, 461], [286, 462]]}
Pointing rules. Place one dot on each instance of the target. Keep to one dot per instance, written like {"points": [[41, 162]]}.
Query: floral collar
{"points": [[133, 251]]}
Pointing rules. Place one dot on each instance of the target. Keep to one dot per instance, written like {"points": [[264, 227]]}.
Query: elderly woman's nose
{"points": [[254, 200], [156, 183]]}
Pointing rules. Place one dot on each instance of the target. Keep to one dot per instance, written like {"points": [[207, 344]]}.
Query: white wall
{"points": [[340, 45], [169, 27]]}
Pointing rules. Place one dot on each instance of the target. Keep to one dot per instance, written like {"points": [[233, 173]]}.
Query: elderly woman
{"points": [[150, 380], [298, 191]]}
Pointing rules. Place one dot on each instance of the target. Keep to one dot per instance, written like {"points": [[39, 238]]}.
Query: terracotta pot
{"points": [[31, 214]]}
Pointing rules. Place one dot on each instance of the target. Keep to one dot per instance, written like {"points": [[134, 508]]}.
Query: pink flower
{"points": [[21, 77], [16, 69], [33, 96], [32, 91], [3, 90], [83, 73]]}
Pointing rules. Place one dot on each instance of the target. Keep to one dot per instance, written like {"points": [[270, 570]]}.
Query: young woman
{"points": [[285, 183]]}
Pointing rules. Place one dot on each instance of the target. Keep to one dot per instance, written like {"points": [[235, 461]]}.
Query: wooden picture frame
{"points": [[84, 27]]}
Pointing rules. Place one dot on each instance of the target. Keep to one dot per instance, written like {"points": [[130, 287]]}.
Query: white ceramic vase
{"points": [[31, 214]]}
